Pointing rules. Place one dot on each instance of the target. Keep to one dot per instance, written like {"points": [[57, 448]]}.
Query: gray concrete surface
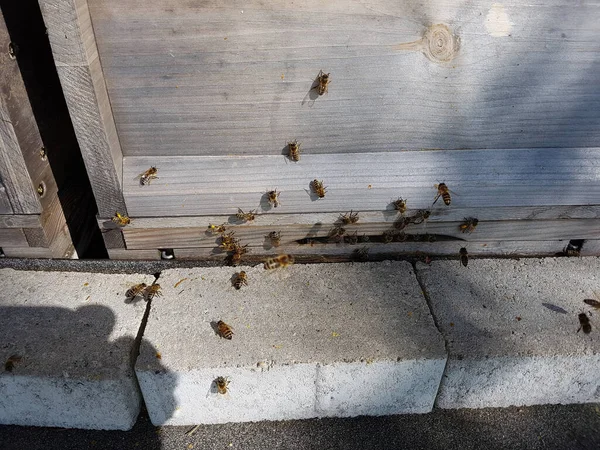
{"points": [[75, 336], [310, 341], [511, 328]]}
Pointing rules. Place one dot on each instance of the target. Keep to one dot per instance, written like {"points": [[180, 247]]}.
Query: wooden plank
{"points": [[36, 237], [27, 252], [19, 221], [5, 206], [122, 254], [73, 44], [12, 237], [364, 181], [214, 77]]}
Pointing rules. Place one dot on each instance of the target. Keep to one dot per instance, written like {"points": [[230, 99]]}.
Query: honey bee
{"points": [[387, 236], [121, 219], [273, 198], [220, 229], [469, 225], [294, 148], [324, 81], [361, 254], [584, 323], [571, 250], [402, 223], [464, 256], [151, 291], [238, 251], [241, 279], [336, 231], [222, 383], [228, 242], [224, 330], [352, 239], [420, 216], [246, 217], [275, 238], [278, 261], [319, 188], [401, 236], [348, 218], [9, 365], [400, 205], [444, 192], [136, 290], [148, 176]]}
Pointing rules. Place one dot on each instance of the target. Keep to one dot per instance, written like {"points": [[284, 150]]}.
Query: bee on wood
{"points": [[121, 219], [469, 225], [400, 205], [420, 216], [336, 234], [222, 383], [148, 176], [323, 85], [401, 237], [238, 251], [443, 192], [241, 279], [348, 218], [278, 261], [273, 197], [571, 250], [364, 238], [216, 229], [136, 290], [246, 217], [464, 256], [352, 239], [151, 291], [294, 150], [228, 242], [402, 223], [275, 238], [361, 254], [318, 188], [387, 236], [224, 330], [430, 237], [9, 365], [584, 323]]}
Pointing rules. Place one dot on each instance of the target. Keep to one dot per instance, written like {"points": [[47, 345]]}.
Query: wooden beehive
{"points": [[500, 101]]}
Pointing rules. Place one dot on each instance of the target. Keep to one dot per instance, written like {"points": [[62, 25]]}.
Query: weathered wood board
{"points": [[234, 77]]}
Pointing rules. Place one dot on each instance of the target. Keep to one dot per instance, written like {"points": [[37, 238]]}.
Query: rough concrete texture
{"points": [[511, 328], [74, 335], [310, 341]]}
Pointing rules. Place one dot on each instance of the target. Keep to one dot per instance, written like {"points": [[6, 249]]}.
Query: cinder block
{"points": [[511, 328], [74, 335], [310, 341]]}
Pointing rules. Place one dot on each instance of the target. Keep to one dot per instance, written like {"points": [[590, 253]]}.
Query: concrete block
{"points": [[511, 328], [310, 341], [75, 335]]}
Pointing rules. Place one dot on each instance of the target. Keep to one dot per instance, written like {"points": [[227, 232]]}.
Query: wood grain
{"points": [[199, 185], [27, 252], [19, 221], [12, 237], [5, 206], [214, 77]]}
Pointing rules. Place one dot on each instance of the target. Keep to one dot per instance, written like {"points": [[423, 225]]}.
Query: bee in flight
{"points": [[220, 229], [278, 261], [136, 290], [273, 197], [224, 330], [151, 291], [318, 188], [294, 150], [348, 218], [121, 219], [246, 217], [464, 256], [444, 192], [222, 383], [323, 85], [275, 238], [469, 225], [148, 176], [241, 279], [584, 323], [400, 205]]}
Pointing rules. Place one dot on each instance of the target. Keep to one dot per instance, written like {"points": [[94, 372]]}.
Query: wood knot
{"points": [[439, 44]]}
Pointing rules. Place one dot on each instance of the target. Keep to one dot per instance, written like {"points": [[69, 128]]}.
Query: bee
{"points": [[464, 256], [121, 219], [318, 188], [443, 192], [224, 330], [352, 239], [336, 231], [273, 198], [246, 217], [136, 290], [348, 218], [572, 250], [220, 229], [364, 238], [387, 236], [584, 323], [222, 383], [278, 261], [401, 237], [151, 291], [402, 223], [400, 205], [324, 81], [238, 251], [469, 225], [148, 176], [275, 238], [294, 148], [9, 365], [420, 216], [361, 254], [241, 279], [430, 237], [228, 242]]}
